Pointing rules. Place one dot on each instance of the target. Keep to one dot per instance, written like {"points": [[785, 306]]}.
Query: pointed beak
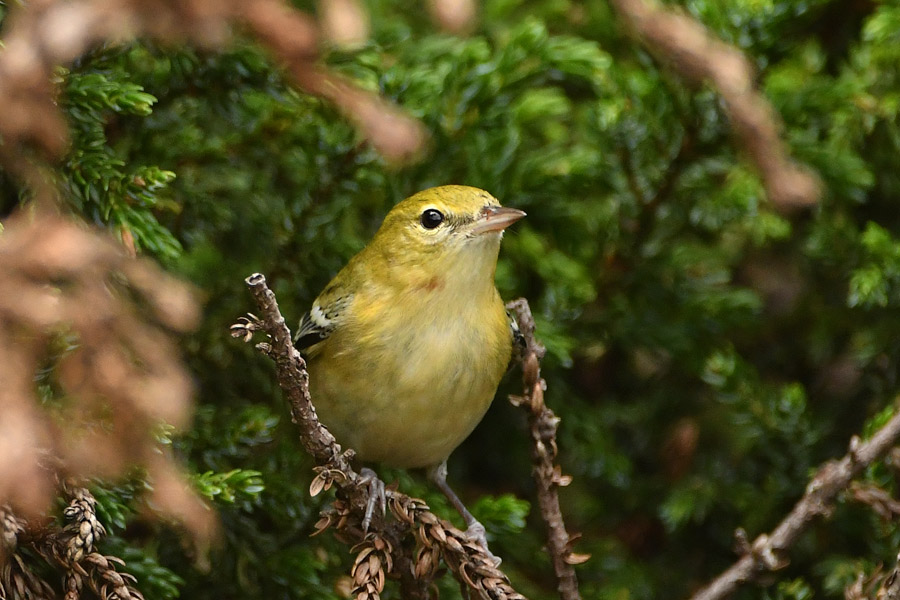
{"points": [[495, 218]]}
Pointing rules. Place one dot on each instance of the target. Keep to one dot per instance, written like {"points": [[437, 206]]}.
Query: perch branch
{"points": [[290, 369], [468, 561], [547, 475], [768, 552], [697, 55]]}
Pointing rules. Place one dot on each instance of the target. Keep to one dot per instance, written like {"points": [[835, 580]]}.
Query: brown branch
{"points": [[768, 552], [58, 278], [41, 35], [290, 369], [697, 55], [468, 561], [547, 475], [395, 135]]}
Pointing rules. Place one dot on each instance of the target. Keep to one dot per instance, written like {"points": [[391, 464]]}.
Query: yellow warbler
{"points": [[407, 344]]}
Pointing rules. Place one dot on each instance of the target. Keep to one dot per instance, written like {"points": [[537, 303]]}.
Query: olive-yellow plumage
{"points": [[407, 344]]}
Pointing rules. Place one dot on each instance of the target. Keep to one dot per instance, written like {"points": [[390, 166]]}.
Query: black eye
{"points": [[431, 218]]}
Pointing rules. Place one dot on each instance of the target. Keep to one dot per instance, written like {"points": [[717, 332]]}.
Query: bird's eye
{"points": [[431, 218]]}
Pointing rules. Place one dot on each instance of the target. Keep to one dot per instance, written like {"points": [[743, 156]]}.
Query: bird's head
{"points": [[452, 230], [449, 222]]}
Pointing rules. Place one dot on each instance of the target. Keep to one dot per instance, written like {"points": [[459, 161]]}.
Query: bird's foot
{"points": [[475, 532], [377, 495]]}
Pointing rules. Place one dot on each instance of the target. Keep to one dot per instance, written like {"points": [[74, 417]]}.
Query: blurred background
{"points": [[707, 350]]}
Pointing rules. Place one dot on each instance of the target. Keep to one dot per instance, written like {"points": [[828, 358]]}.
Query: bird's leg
{"points": [[474, 530], [369, 478]]}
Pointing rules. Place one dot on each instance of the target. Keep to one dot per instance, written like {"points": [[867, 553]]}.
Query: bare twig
{"points": [[547, 474], [768, 552], [468, 561], [697, 55]]}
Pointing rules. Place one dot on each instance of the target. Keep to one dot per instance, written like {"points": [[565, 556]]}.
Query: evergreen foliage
{"points": [[705, 352]]}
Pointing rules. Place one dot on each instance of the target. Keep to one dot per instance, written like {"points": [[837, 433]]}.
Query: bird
{"points": [[407, 344]]}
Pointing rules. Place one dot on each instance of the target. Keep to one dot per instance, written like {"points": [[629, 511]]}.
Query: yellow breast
{"points": [[412, 385]]}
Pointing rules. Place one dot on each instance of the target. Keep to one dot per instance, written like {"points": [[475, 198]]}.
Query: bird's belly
{"points": [[406, 414]]}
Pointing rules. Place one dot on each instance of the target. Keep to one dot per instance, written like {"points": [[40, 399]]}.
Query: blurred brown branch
{"points": [[768, 552], [697, 55], [40, 35], [547, 475], [379, 549], [453, 15], [73, 300]]}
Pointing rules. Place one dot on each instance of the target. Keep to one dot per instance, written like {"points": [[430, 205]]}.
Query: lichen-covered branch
{"points": [[548, 476], [468, 561], [768, 552]]}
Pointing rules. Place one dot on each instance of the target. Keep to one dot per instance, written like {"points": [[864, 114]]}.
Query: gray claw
{"points": [[377, 495], [476, 533]]}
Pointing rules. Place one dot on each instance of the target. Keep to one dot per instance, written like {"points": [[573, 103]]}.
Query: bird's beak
{"points": [[495, 218]]}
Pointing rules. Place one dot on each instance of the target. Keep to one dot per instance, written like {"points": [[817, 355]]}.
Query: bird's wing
{"points": [[317, 324]]}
